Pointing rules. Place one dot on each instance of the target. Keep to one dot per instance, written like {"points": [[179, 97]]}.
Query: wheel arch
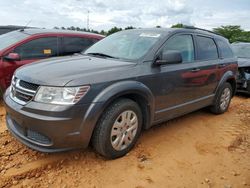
{"points": [[133, 90], [229, 77]]}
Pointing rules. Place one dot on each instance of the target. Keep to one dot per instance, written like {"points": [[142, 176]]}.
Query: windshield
{"points": [[11, 38], [242, 50], [130, 45]]}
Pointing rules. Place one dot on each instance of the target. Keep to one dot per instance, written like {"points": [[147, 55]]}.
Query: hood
{"points": [[72, 70], [243, 62]]}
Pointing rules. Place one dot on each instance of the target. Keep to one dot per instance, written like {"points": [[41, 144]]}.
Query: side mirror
{"points": [[169, 57], [12, 57]]}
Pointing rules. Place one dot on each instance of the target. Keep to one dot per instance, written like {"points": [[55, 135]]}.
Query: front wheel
{"points": [[222, 99], [118, 129]]}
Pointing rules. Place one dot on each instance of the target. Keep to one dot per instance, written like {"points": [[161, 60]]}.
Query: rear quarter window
{"points": [[224, 48], [207, 49]]}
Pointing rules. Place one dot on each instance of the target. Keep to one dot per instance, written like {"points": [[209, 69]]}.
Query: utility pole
{"points": [[88, 20]]}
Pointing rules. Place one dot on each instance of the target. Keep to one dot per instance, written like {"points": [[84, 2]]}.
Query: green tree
{"points": [[129, 27], [71, 28], [245, 37], [231, 32], [113, 30], [234, 33], [179, 25], [103, 32]]}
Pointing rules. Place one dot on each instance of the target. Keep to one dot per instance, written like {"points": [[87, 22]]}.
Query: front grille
{"points": [[32, 135], [38, 137], [28, 85], [23, 97], [22, 92]]}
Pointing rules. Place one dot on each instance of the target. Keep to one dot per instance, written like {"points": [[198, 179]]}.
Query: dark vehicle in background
{"points": [[242, 51], [126, 82], [21, 47], [9, 28]]}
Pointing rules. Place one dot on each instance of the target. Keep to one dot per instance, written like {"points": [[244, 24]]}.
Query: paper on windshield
{"points": [[152, 35]]}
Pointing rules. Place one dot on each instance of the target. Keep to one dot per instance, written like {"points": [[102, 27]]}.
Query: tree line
{"points": [[234, 33], [102, 32]]}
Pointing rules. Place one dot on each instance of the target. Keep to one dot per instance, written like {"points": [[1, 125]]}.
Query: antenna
{"points": [[26, 25], [88, 20]]}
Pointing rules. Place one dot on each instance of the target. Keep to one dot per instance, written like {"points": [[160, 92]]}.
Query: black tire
{"points": [[101, 138], [248, 89], [1, 94], [216, 108]]}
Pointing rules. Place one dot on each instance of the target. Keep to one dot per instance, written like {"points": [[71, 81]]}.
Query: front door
{"points": [[29, 52]]}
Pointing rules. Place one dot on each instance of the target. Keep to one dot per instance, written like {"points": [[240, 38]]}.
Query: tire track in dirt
{"points": [[2, 118]]}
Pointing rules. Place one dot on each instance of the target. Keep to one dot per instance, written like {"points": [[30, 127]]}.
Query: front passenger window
{"points": [[183, 44], [38, 48]]}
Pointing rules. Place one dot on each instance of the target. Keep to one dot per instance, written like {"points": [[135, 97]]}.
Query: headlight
{"points": [[60, 95]]}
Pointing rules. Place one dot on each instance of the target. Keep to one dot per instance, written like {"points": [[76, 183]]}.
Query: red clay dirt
{"points": [[196, 150]]}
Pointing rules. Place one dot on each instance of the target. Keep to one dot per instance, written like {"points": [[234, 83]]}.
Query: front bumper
{"points": [[243, 85], [49, 128]]}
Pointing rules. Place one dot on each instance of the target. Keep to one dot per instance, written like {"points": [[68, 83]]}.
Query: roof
{"points": [[61, 31], [179, 30]]}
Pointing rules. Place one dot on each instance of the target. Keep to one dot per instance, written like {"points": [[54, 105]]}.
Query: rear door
{"points": [[227, 61], [207, 59], [72, 44]]}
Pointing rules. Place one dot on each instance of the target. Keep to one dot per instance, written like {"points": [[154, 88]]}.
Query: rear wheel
{"points": [[118, 129], [222, 99]]}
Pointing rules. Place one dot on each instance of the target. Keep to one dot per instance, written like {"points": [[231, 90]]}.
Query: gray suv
{"points": [[124, 83]]}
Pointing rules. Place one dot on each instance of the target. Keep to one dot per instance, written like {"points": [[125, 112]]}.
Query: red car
{"points": [[25, 46]]}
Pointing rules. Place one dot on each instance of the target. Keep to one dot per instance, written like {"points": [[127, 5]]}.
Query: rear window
{"points": [[225, 50], [207, 49], [73, 45], [3, 31]]}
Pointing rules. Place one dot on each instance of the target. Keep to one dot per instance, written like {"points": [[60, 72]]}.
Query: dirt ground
{"points": [[196, 150]]}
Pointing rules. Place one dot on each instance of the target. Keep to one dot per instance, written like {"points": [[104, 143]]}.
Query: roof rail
{"points": [[197, 28]]}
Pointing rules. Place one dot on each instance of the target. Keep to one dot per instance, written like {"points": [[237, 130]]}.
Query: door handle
{"points": [[222, 65], [195, 70]]}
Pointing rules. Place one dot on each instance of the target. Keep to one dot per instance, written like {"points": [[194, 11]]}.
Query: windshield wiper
{"points": [[102, 55], [243, 57]]}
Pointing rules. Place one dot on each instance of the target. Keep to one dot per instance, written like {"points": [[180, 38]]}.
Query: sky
{"points": [[105, 14]]}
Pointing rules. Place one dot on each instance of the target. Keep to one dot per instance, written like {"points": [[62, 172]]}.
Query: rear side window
{"points": [[38, 48], [73, 45], [183, 44], [207, 49], [225, 50]]}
